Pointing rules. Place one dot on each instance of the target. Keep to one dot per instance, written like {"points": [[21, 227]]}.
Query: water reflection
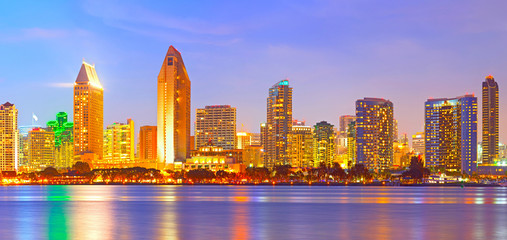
{"points": [[251, 212]]}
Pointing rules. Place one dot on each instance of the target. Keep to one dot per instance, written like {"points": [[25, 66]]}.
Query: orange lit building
{"points": [[173, 111], [148, 143], [119, 148], [41, 149], [88, 113], [9, 139], [490, 120]]}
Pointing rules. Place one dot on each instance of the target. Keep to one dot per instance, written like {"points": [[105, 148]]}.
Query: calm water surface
{"points": [[251, 212]]}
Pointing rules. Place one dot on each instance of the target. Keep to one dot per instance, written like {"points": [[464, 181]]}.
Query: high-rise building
{"points": [[88, 113], [418, 143], [255, 139], [9, 139], [41, 149], [218, 124], [324, 144], [148, 143], [302, 146], [451, 134], [243, 140], [351, 144], [490, 117], [345, 121], [119, 148], [64, 140], [374, 129], [279, 124], [173, 110]]}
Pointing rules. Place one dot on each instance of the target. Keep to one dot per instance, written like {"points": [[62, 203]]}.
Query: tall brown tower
{"points": [[173, 110]]}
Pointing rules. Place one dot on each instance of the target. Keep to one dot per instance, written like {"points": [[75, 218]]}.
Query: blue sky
{"points": [[333, 52]]}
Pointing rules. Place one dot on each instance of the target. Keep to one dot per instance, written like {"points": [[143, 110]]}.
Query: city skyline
{"points": [[407, 85]]}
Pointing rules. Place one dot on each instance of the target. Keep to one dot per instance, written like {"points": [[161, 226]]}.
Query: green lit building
{"points": [[64, 140]]}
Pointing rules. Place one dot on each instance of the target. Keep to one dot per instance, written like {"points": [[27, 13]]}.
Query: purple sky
{"points": [[333, 52]]}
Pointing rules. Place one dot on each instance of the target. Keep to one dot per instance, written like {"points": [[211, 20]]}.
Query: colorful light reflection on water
{"points": [[251, 212]]}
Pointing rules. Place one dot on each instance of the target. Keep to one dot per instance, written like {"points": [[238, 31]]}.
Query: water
{"points": [[252, 212]]}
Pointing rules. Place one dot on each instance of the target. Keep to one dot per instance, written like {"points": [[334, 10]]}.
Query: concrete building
{"points": [[88, 112], [418, 143], [278, 125], [173, 111], [9, 139], [148, 144], [490, 120], [119, 147], [302, 146], [374, 129], [324, 138], [41, 149], [345, 121], [451, 134], [218, 124], [243, 140]]}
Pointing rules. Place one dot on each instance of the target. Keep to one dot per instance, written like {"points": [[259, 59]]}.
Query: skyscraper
{"points": [[418, 143], [345, 120], [451, 134], [323, 144], [119, 148], [41, 149], [88, 112], [218, 124], [374, 129], [490, 116], [9, 140], [173, 110], [64, 140], [243, 140], [279, 124], [302, 146], [148, 143]]}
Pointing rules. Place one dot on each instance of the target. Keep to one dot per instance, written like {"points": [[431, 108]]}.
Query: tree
{"points": [[417, 170], [49, 173], [358, 172], [81, 167], [200, 175], [337, 172]]}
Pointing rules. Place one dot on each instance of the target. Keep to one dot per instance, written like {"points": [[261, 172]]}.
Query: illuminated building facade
{"points": [[302, 146], [351, 144], [64, 140], [451, 134], [374, 129], [9, 139], [243, 140], [345, 121], [418, 143], [148, 143], [395, 130], [218, 124], [41, 149], [173, 110], [490, 117], [119, 148], [279, 125], [88, 113], [253, 156], [323, 144]]}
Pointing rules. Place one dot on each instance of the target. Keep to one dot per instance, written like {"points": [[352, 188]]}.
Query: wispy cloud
{"points": [[29, 34], [61, 85]]}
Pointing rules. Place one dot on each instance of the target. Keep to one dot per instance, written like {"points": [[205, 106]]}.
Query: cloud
{"points": [[61, 85], [29, 34]]}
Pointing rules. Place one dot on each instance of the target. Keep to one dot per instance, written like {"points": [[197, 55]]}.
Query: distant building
{"points": [[395, 130], [243, 140], [418, 143], [323, 144], [173, 111], [41, 149], [218, 124], [255, 139], [64, 140], [490, 120], [119, 148], [278, 125], [9, 139], [252, 156], [351, 145], [148, 144], [451, 134], [374, 129], [345, 121], [302, 146], [88, 112]]}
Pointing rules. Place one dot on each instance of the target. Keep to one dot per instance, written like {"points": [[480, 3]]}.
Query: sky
{"points": [[332, 52]]}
